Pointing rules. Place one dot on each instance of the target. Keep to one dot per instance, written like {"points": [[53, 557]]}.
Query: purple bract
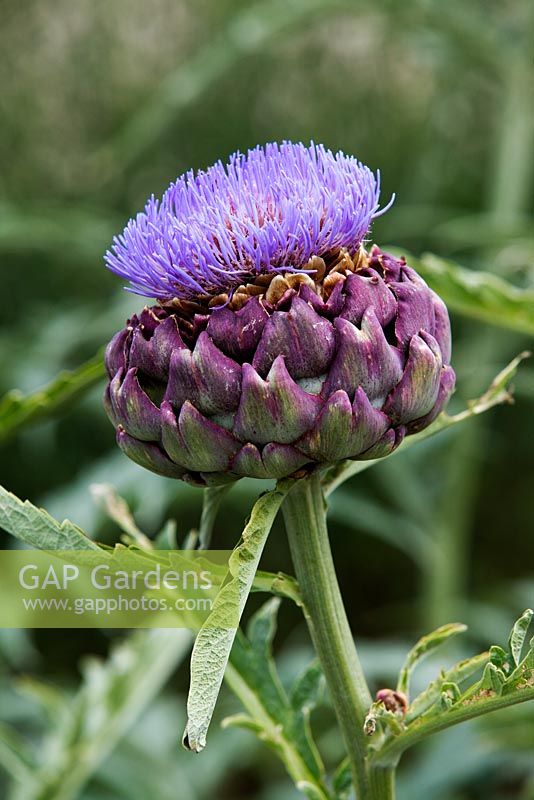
{"points": [[304, 374]]}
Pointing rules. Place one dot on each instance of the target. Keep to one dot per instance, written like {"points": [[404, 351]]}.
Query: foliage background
{"points": [[103, 103]]}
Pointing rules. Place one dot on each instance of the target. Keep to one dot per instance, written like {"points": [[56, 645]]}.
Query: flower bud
{"points": [[278, 342]]}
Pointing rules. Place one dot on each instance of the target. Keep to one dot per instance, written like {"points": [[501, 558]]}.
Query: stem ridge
{"points": [[304, 512]]}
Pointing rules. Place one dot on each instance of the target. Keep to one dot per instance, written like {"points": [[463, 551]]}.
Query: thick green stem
{"points": [[305, 518], [382, 783]]}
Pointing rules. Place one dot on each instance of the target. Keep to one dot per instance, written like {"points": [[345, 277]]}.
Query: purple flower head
{"points": [[268, 211]]}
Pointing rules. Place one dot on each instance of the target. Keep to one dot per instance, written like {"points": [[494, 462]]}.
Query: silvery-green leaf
{"points": [[308, 687], [112, 695], [426, 645], [518, 635], [279, 584], [496, 689], [215, 639], [457, 674], [36, 527], [281, 721]]}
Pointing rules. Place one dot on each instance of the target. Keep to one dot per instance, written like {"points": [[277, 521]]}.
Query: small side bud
{"points": [[393, 701]]}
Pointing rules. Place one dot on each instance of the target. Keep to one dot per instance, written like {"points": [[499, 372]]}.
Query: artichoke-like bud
{"points": [[278, 343]]}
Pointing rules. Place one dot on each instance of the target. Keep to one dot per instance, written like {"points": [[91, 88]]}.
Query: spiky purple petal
{"points": [[271, 209]]}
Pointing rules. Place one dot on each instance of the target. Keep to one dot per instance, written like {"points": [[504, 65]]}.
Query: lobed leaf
{"points": [[35, 527], [457, 674], [112, 696], [443, 704], [282, 721]]}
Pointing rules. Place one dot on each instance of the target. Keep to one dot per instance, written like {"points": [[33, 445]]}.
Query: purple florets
{"points": [[269, 210]]}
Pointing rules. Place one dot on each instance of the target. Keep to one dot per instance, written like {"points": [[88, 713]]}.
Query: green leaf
{"points": [[112, 696], [424, 647], [493, 679], [18, 410], [251, 657], [36, 527], [215, 639], [278, 584], [457, 674], [518, 634], [500, 657], [479, 295], [117, 509], [496, 689], [342, 780], [280, 720], [497, 393], [307, 690], [53, 703], [310, 790], [166, 539], [16, 756]]}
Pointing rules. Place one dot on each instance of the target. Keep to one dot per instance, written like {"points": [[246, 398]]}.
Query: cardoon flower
{"points": [[278, 343]]}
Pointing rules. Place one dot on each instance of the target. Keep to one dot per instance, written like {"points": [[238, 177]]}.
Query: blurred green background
{"points": [[105, 102]]}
